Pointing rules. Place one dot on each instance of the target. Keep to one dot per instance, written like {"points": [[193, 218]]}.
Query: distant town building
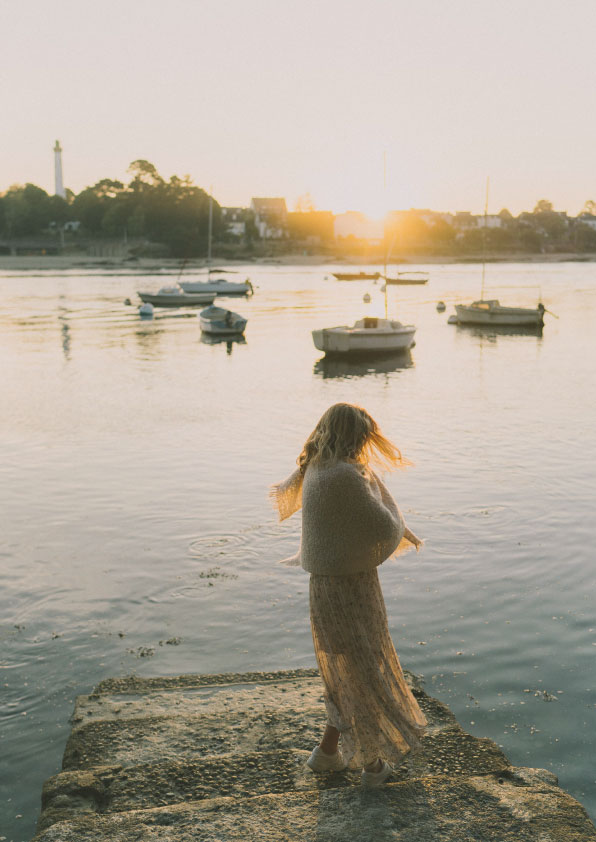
{"points": [[360, 227], [492, 220], [587, 219], [313, 227], [58, 182], [234, 220], [271, 217], [464, 219]]}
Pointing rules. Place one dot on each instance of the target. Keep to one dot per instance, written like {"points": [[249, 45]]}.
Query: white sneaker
{"points": [[321, 762], [376, 778]]}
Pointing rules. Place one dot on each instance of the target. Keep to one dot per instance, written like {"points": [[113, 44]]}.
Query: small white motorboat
{"points": [[490, 312], [221, 322], [368, 335], [175, 296], [219, 286]]}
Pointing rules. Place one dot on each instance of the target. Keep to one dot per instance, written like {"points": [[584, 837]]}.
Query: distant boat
{"points": [[220, 286], [174, 296], [368, 335], [356, 276], [408, 279], [490, 312], [221, 322]]}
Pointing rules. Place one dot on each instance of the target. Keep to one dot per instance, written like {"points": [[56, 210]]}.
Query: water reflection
{"points": [[148, 336], [359, 366], [230, 341], [64, 332], [492, 331]]}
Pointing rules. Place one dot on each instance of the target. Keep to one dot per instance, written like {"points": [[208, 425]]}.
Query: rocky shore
{"points": [[219, 758], [61, 263]]}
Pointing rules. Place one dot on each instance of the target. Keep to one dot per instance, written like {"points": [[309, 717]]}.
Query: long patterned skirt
{"points": [[366, 695]]}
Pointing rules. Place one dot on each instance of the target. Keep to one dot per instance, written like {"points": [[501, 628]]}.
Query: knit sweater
{"points": [[350, 521]]}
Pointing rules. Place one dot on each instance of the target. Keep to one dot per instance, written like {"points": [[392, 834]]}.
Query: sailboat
{"points": [[489, 311], [217, 286], [370, 335]]}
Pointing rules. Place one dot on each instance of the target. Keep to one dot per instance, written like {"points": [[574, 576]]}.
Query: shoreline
{"points": [[24, 263]]}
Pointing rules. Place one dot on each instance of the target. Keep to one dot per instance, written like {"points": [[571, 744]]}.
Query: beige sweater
{"points": [[350, 521]]}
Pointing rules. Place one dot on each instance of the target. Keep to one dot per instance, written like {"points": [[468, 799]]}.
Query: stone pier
{"points": [[220, 758]]}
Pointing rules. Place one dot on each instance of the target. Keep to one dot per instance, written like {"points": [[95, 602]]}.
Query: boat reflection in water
{"points": [[360, 366], [229, 341], [492, 331]]}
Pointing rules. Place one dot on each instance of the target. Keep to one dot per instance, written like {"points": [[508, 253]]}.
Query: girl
{"points": [[350, 525]]}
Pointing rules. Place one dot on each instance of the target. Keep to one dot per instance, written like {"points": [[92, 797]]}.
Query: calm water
{"points": [[134, 474]]}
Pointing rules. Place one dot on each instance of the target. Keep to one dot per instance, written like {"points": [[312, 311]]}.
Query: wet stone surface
{"points": [[226, 761]]}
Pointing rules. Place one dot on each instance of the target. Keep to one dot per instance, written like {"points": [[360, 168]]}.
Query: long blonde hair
{"points": [[347, 432]]}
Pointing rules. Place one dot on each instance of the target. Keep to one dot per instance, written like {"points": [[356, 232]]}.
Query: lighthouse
{"points": [[59, 186]]}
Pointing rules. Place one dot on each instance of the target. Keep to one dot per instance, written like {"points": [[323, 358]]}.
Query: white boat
{"points": [[490, 312], [175, 296], [219, 286], [221, 322], [368, 335]]}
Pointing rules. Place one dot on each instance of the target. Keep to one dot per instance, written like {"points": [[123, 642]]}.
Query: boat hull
{"points": [[356, 276], [407, 279], [499, 316], [216, 287], [218, 321], [173, 300], [343, 340], [216, 328], [405, 283]]}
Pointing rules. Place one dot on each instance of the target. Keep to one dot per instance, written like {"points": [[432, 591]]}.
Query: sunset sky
{"points": [[279, 98]]}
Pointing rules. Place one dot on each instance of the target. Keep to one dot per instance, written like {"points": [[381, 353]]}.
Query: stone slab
{"points": [[109, 789], [519, 805], [228, 700], [132, 740]]}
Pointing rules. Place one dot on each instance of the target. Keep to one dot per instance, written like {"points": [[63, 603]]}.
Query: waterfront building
{"points": [[271, 216]]}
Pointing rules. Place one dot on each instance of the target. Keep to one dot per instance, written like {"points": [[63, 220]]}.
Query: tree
{"points": [[589, 207], [144, 174], [584, 237], [442, 236], [542, 206], [29, 210], [304, 204]]}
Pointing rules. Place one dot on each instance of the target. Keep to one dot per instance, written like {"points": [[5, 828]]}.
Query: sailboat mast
{"points": [[210, 230], [385, 224], [484, 240]]}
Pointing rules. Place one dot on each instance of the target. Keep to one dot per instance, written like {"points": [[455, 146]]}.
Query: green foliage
{"points": [[584, 237], [174, 212], [27, 210], [543, 206]]}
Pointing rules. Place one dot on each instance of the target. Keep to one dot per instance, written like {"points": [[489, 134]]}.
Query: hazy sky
{"points": [[277, 98]]}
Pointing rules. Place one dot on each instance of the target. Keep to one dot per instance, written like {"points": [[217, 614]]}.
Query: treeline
{"points": [[172, 216], [544, 230], [173, 213]]}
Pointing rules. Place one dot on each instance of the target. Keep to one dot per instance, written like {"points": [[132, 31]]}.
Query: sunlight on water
{"points": [[136, 462]]}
